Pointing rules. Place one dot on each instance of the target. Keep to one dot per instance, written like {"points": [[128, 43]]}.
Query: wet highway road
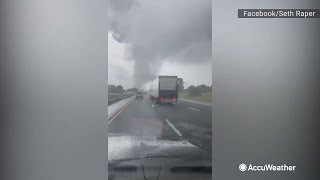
{"points": [[184, 120]]}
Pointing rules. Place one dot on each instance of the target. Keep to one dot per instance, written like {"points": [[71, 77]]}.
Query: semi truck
{"points": [[164, 89]]}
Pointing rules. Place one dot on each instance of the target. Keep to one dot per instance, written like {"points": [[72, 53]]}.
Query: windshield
{"points": [[160, 90]]}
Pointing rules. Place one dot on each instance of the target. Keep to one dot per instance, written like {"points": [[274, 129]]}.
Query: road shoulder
{"points": [[196, 102]]}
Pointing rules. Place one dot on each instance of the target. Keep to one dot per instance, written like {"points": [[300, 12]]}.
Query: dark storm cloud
{"points": [[156, 30]]}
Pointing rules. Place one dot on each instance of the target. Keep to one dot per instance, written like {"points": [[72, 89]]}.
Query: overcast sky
{"points": [[149, 38]]}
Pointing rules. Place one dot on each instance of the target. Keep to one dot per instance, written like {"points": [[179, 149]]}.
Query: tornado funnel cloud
{"points": [[159, 31]]}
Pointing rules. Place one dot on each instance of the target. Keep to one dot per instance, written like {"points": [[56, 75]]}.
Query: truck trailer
{"points": [[164, 89]]}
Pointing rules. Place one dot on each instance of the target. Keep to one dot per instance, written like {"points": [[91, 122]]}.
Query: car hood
{"points": [[122, 146], [136, 158]]}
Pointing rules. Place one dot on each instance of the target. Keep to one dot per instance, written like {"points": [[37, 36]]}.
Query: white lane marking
{"points": [[174, 128], [117, 114], [194, 109], [152, 105]]}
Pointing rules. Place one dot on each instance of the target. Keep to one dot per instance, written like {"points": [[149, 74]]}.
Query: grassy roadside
{"points": [[205, 97]]}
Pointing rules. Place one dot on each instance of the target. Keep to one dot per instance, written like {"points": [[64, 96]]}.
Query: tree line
{"points": [[119, 89], [193, 90], [198, 90]]}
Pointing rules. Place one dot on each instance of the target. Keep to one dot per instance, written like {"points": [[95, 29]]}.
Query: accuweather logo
{"points": [[266, 167], [242, 167]]}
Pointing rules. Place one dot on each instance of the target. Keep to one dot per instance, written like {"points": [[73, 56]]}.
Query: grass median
{"points": [[204, 97]]}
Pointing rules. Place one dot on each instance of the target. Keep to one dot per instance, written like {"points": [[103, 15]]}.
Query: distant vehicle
{"points": [[139, 95], [164, 89]]}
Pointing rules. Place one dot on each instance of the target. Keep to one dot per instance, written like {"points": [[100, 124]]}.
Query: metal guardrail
{"points": [[114, 100]]}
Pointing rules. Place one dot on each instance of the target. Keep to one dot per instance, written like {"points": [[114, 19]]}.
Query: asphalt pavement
{"points": [[184, 120]]}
